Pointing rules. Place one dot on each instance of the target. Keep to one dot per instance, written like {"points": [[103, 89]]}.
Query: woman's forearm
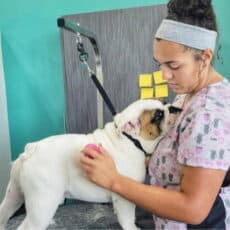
{"points": [[167, 203]]}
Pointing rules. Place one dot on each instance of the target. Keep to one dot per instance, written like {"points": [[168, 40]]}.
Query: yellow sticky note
{"points": [[158, 77], [145, 80], [161, 91], [146, 93]]}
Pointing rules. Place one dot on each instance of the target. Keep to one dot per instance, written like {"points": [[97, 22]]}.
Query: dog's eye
{"points": [[159, 114], [158, 117]]}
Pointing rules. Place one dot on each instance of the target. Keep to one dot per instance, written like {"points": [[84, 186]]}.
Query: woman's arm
{"points": [[198, 190]]}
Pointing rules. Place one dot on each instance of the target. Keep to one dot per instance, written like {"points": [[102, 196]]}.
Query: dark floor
{"points": [[84, 216]]}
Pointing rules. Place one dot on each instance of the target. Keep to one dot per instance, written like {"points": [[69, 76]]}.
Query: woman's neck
{"points": [[212, 77], [206, 79]]}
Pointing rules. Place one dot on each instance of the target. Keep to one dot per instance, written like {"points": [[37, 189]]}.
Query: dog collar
{"points": [[135, 142]]}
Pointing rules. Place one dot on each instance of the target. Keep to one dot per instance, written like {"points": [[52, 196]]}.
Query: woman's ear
{"points": [[206, 57]]}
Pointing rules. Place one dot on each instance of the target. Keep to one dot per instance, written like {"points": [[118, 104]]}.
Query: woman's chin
{"points": [[177, 90]]}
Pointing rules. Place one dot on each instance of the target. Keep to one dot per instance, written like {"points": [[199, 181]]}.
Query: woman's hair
{"points": [[195, 12]]}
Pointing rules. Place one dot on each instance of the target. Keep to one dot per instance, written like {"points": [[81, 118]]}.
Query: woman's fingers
{"points": [[103, 151], [90, 153]]}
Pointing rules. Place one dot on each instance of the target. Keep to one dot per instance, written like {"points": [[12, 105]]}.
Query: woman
{"points": [[188, 168]]}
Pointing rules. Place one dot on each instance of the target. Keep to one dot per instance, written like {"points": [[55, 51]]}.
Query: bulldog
{"points": [[48, 170]]}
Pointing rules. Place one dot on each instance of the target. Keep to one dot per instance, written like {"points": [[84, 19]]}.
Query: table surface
{"points": [[83, 215]]}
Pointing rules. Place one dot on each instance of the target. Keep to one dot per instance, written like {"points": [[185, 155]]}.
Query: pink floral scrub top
{"points": [[199, 137]]}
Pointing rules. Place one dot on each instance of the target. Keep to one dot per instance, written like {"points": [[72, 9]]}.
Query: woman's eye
{"points": [[170, 65], [174, 67]]}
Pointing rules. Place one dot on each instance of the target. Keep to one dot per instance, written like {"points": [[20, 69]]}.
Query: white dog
{"points": [[47, 171]]}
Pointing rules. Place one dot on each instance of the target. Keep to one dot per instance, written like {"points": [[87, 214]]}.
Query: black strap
{"points": [[226, 179], [135, 142], [103, 94]]}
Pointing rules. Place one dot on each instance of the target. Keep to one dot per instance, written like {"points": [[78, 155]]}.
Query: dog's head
{"points": [[146, 121]]}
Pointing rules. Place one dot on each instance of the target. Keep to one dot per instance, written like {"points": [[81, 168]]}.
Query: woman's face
{"points": [[179, 66]]}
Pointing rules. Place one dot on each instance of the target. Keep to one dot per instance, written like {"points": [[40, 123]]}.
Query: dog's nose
{"points": [[158, 117]]}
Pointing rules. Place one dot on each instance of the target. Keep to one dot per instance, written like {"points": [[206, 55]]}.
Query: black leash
{"points": [[103, 94], [112, 110], [135, 142]]}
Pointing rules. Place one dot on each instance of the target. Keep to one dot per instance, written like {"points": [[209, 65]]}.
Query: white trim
{"points": [[5, 150]]}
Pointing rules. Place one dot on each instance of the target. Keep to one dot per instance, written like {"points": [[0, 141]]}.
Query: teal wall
{"points": [[33, 66]]}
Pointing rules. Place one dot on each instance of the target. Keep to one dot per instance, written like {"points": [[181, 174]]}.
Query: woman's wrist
{"points": [[115, 185]]}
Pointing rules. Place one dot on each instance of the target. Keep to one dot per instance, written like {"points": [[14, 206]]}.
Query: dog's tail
{"points": [[17, 165], [29, 150]]}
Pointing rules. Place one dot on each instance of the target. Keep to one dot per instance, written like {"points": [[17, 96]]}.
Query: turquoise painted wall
{"points": [[33, 66]]}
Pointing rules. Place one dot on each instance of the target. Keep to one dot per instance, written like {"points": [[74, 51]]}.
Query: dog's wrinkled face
{"points": [[153, 125], [150, 124], [146, 121]]}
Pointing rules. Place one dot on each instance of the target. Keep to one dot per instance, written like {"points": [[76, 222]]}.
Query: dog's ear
{"points": [[175, 110]]}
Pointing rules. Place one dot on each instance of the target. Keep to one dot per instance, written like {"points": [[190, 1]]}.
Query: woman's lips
{"points": [[172, 85]]}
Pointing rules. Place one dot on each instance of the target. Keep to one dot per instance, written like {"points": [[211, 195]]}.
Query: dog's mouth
{"points": [[132, 127]]}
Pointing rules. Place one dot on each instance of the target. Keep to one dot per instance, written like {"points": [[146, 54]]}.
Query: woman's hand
{"points": [[99, 167]]}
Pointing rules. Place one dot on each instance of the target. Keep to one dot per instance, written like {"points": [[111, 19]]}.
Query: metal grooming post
{"points": [[63, 23], [5, 151]]}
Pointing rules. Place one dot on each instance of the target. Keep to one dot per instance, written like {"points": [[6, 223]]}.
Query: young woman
{"points": [[189, 187]]}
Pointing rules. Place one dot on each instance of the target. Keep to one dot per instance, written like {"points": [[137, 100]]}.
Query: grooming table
{"points": [[83, 216]]}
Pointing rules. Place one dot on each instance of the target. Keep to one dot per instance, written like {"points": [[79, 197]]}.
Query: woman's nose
{"points": [[167, 74]]}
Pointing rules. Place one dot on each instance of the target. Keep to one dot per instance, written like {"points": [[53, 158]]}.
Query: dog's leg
{"points": [[10, 204], [40, 207], [125, 212]]}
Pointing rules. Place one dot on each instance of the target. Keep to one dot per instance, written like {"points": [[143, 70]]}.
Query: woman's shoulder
{"points": [[218, 96], [220, 89], [215, 97]]}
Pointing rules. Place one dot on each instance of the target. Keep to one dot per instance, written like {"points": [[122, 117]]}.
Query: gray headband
{"points": [[186, 34]]}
